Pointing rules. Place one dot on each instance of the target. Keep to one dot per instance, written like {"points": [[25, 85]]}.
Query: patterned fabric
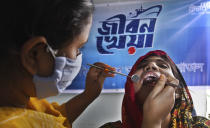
{"points": [[182, 115]]}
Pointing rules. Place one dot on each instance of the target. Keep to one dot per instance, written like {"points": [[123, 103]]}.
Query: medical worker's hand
{"points": [[95, 79], [159, 103], [94, 84]]}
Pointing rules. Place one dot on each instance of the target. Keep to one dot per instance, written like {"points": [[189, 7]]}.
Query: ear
{"points": [[29, 51]]}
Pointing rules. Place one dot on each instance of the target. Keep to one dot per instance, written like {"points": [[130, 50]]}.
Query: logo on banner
{"points": [[200, 8], [130, 32]]}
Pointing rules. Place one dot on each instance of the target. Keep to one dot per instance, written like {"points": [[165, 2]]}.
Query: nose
{"points": [[151, 67]]}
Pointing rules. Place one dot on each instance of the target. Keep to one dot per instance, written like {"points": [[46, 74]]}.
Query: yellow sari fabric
{"points": [[38, 114]]}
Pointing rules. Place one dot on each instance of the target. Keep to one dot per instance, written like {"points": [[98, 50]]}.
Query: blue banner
{"points": [[124, 31]]}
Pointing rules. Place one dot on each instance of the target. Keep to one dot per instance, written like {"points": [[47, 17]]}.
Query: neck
{"points": [[11, 95], [13, 98], [15, 83]]}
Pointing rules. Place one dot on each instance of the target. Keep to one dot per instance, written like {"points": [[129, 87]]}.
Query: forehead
{"points": [[83, 36], [154, 58]]}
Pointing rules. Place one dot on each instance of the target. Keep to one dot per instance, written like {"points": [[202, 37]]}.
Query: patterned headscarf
{"points": [[182, 114]]}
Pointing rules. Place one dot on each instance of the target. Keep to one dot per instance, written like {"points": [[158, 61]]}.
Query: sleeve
{"points": [[62, 110]]}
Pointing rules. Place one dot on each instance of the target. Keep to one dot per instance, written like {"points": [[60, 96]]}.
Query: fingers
{"points": [[106, 72], [168, 91], [159, 86], [168, 96], [171, 80], [160, 100], [95, 78], [162, 95], [100, 72]]}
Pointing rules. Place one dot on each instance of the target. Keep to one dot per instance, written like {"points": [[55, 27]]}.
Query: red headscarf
{"points": [[131, 114]]}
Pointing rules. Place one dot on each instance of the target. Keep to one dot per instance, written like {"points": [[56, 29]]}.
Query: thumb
{"points": [[159, 86]]}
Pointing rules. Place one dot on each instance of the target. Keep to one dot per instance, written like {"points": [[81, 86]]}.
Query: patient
{"points": [[160, 99]]}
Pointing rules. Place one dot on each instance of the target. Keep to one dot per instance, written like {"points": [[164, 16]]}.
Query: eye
{"points": [[142, 65], [162, 65]]}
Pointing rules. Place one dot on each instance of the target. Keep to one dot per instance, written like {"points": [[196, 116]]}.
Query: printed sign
{"points": [[124, 31]]}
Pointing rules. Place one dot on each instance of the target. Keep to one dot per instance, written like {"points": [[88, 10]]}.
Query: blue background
{"points": [[180, 33]]}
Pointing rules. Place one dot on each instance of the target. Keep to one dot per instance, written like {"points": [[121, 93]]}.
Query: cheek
{"points": [[138, 85], [139, 72], [70, 52], [167, 72], [170, 73], [45, 66]]}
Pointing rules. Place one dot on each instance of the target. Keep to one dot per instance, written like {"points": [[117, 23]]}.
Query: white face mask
{"points": [[65, 71]]}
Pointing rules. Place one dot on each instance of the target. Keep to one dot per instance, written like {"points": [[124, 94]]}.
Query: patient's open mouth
{"points": [[150, 78]]}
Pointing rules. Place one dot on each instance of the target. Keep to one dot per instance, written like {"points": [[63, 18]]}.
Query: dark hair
{"points": [[57, 20]]}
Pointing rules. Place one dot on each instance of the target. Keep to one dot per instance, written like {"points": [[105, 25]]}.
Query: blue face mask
{"points": [[65, 71]]}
